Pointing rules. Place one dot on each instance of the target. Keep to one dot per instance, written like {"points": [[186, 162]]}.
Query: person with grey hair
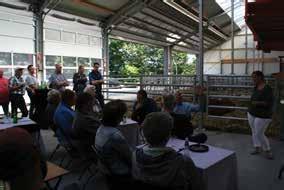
{"points": [[161, 166], [53, 99], [182, 125], [90, 89], [57, 80]]}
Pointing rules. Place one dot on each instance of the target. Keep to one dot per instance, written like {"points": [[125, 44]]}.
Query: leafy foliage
{"points": [[128, 59]]}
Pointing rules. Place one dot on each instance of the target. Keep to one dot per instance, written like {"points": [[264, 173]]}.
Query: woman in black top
{"points": [[80, 80], [260, 113]]}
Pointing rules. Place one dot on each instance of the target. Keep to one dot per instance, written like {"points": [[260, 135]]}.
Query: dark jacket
{"points": [[84, 130], [182, 126], [80, 82], [49, 114], [93, 76], [164, 167], [265, 95], [148, 106]]}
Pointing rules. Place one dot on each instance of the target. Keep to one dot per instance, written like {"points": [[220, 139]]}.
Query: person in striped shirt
{"points": [[17, 87]]}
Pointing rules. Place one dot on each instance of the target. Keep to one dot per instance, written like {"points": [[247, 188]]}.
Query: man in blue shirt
{"points": [[96, 79], [64, 116], [184, 108]]}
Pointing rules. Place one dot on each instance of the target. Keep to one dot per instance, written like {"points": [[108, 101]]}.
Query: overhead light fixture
{"points": [[184, 11]]}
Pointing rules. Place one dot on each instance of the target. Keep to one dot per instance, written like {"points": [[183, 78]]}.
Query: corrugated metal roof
{"points": [[156, 22]]}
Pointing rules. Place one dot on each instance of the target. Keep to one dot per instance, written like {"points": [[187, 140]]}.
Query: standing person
{"points": [[17, 87], [57, 80], [260, 113], [80, 80], [32, 85], [96, 79], [4, 93]]}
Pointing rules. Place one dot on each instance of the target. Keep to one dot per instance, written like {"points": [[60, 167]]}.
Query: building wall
{"points": [[67, 42], [214, 57]]}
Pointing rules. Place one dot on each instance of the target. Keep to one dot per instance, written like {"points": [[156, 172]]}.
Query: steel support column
{"points": [[200, 62], [38, 43], [232, 36], [105, 55], [167, 60], [105, 52], [246, 46]]}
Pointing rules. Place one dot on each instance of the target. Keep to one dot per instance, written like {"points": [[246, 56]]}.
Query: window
{"points": [[7, 72], [69, 61], [68, 37], [49, 72], [94, 60], [21, 59], [82, 39], [51, 60], [5, 58], [68, 73], [52, 34], [95, 41], [84, 61]]}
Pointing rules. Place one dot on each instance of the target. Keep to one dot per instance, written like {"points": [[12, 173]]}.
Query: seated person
{"points": [[86, 123], [90, 89], [159, 165], [64, 116], [110, 142], [143, 106], [53, 100], [182, 125], [20, 165], [184, 108]]}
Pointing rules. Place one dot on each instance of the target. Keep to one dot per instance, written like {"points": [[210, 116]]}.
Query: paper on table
{"points": [[24, 119], [6, 120]]}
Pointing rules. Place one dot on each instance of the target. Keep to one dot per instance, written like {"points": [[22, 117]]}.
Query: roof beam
{"points": [[149, 37], [125, 12], [209, 38], [93, 6], [160, 27], [184, 37], [45, 4], [157, 33], [176, 26]]}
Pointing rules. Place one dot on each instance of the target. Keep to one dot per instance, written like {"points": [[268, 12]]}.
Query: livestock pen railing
{"points": [[226, 93], [227, 96]]}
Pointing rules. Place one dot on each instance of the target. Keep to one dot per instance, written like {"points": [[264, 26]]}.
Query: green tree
{"points": [[128, 59], [182, 65]]}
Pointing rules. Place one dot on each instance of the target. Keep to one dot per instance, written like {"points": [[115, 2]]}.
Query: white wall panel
{"points": [[56, 48]]}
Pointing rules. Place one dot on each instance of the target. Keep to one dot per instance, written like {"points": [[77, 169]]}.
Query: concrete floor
{"points": [[255, 172]]}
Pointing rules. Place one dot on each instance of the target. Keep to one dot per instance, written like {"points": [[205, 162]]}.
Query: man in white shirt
{"points": [[32, 85]]}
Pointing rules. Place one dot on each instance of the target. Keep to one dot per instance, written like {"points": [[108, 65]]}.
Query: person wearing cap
{"points": [[159, 165], [17, 87], [32, 85], [4, 93], [57, 80]]}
